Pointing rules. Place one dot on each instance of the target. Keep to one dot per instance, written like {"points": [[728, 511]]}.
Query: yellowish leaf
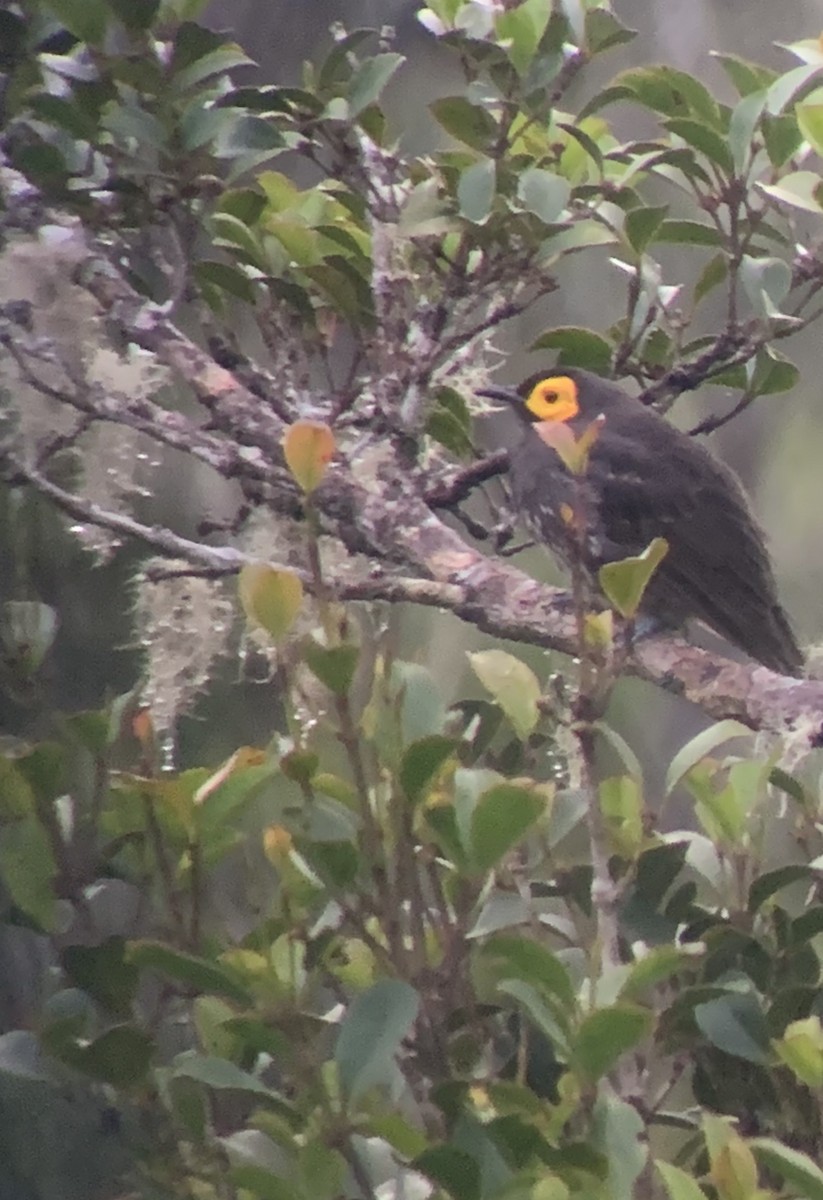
{"points": [[277, 843], [308, 447], [270, 598], [246, 756]]}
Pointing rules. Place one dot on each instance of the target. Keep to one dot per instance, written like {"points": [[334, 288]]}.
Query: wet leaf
{"points": [[625, 582], [270, 598], [308, 447], [371, 1033], [512, 684]]}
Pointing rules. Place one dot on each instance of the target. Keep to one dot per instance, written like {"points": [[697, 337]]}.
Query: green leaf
{"points": [[670, 92], [604, 31], [344, 287], [450, 422], [744, 121], [247, 142], [86, 19], [767, 282], [792, 786], [468, 123], [65, 114], [746, 76], [227, 278], [522, 27], [128, 122], [442, 825], [374, 1026], [801, 1049], [419, 701], [527, 960], [28, 869], [701, 747], [621, 803], [721, 811], [628, 759], [188, 969], [219, 61], [121, 1056], [765, 886], [799, 189], [679, 1185], [657, 966], [642, 224], [337, 66], [369, 80], [808, 50], [605, 1034], [581, 147], [658, 869], [735, 1024], [713, 274], [322, 1169], [137, 15], [543, 193], [400, 1132], [44, 768], [782, 138], [513, 685], [236, 232], [786, 87], [17, 798], [104, 973], [583, 235], [217, 1073], [475, 191], [455, 1171], [703, 138], [334, 666], [773, 373], [337, 863], [568, 811], [578, 347], [539, 1010], [621, 1135], [421, 763], [625, 582], [799, 1171], [504, 814], [686, 233]]}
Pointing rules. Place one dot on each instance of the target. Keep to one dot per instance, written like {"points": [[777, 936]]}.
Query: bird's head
{"points": [[541, 397]]}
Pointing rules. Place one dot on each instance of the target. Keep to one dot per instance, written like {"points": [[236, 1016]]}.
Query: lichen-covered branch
{"points": [[374, 501]]}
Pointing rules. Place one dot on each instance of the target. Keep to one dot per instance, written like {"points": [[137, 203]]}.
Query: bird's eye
{"points": [[553, 399]]}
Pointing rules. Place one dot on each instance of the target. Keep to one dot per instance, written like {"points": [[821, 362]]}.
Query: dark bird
{"points": [[647, 479]]}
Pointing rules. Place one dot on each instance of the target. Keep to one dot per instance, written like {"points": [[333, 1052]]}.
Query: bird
{"points": [[645, 479]]}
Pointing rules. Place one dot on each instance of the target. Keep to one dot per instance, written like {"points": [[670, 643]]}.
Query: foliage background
{"points": [[66, 1137]]}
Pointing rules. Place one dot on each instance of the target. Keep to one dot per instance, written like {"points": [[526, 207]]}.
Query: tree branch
{"points": [[376, 504], [504, 602]]}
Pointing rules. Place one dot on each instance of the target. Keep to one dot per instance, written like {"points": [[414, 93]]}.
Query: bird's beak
{"points": [[505, 395]]}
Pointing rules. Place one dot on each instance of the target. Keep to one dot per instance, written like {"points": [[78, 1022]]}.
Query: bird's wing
{"points": [[651, 483]]}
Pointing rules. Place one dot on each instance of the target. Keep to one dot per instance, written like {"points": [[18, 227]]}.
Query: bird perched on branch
{"points": [[645, 479]]}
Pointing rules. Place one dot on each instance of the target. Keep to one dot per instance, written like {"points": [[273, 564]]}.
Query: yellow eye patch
{"points": [[554, 399]]}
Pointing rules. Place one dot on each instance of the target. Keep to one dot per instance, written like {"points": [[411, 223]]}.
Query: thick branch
{"points": [[500, 600], [382, 510]]}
